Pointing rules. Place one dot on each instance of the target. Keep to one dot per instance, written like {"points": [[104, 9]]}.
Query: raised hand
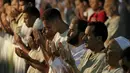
{"points": [[66, 54], [21, 53], [39, 38], [62, 51], [54, 49], [70, 59], [36, 35]]}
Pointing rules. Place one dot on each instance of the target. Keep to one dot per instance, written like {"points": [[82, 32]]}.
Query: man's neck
{"points": [[115, 15], [99, 48]]}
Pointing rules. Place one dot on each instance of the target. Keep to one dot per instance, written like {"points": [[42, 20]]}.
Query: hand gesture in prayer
{"points": [[36, 35], [51, 49], [21, 53], [54, 49], [62, 51], [39, 39], [66, 54]]}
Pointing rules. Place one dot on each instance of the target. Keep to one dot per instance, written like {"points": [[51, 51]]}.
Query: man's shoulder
{"points": [[60, 37], [101, 56], [116, 19], [87, 54]]}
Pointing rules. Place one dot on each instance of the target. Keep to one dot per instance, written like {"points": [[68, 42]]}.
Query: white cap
{"points": [[38, 24], [123, 42]]}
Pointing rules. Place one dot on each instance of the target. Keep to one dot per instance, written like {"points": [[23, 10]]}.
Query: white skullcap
{"points": [[38, 24], [123, 42]]}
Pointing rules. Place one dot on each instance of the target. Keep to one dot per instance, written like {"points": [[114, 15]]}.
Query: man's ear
{"points": [[99, 38]]}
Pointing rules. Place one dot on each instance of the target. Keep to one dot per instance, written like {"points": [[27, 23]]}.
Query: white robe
{"points": [[57, 66]]}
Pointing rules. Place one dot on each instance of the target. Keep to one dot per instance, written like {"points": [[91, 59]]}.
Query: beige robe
{"points": [[115, 29], [116, 70], [92, 63], [37, 55]]}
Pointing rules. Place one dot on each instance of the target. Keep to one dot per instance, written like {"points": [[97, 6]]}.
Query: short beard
{"points": [[73, 40]]}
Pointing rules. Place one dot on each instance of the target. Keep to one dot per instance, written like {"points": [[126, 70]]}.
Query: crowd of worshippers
{"points": [[65, 36]]}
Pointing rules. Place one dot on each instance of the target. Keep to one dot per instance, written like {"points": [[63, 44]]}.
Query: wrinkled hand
{"points": [[54, 49], [17, 38], [51, 48], [21, 53]]}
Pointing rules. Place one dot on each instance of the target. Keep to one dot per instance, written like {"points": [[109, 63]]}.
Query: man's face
{"points": [[107, 8], [29, 20], [77, 3], [89, 38], [8, 10], [49, 29], [5, 23], [93, 4], [15, 4], [73, 35], [14, 12], [4, 20], [112, 52], [21, 6]]}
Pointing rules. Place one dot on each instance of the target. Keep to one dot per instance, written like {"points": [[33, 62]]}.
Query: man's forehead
{"points": [[114, 45], [89, 29]]}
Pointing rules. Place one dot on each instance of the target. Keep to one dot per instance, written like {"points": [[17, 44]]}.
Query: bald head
{"points": [[113, 53]]}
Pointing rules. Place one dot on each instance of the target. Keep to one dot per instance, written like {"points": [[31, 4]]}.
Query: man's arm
{"points": [[24, 48], [41, 66], [19, 42]]}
